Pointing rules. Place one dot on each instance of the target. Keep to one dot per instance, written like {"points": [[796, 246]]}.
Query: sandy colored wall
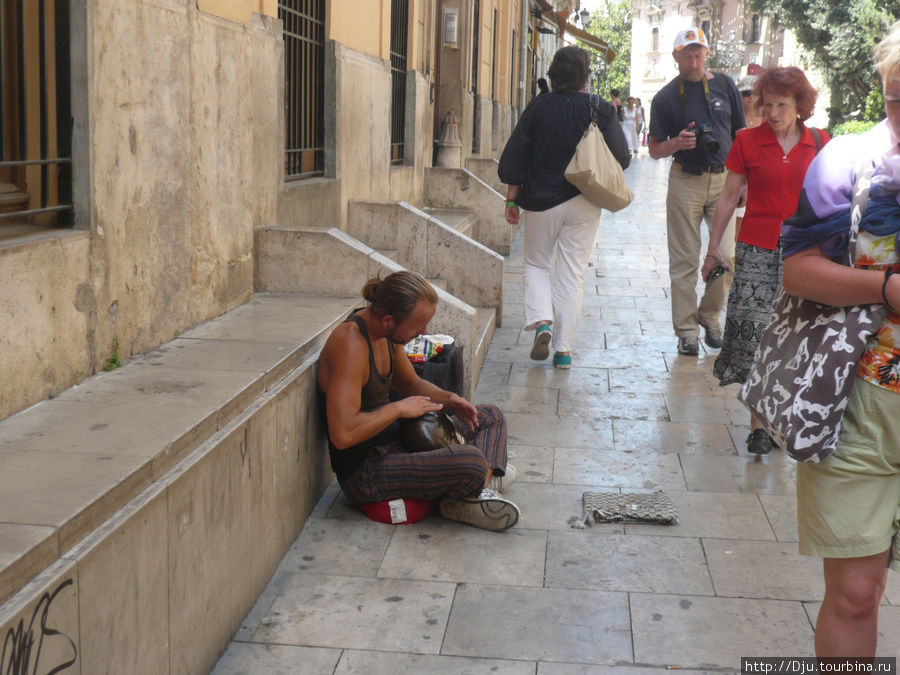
{"points": [[238, 10], [183, 160], [44, 309], [361, 26]]}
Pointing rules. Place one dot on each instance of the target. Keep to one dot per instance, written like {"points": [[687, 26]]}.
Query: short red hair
{"points": [[790, 81]]}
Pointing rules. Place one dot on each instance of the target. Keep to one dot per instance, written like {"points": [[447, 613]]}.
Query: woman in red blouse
{"points": [[767, 163]]}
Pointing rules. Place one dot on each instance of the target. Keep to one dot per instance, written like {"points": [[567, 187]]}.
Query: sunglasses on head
{"points": [[746, 93]]}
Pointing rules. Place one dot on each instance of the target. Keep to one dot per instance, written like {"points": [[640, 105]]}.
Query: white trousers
{"points": [[558, 245]]}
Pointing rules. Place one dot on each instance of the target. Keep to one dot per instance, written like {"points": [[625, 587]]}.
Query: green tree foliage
{"points": [[840, 35], [612, 24]]}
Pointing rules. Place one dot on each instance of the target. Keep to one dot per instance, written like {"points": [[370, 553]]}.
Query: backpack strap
{"points": [[817, 137], [595, 111], [594, 102]]}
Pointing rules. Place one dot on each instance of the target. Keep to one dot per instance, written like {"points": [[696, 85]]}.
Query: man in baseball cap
{"points": [[694, 119]]}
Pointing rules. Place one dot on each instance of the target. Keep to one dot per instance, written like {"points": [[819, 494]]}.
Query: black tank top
{"points": [[375, 394]]}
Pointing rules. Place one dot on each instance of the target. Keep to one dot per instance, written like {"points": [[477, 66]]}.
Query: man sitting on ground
{"points": [[362, 358]]}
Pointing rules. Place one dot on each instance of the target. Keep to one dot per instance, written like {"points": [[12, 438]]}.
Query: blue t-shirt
{"points": [[725, 114]]}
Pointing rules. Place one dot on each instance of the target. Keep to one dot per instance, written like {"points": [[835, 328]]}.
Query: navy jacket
{"points": [[543, 143]]}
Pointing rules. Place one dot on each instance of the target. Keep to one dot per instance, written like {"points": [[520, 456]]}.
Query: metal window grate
{"points": [[494, 65], [399, 29], [476, 24], [303, 24], [35, 116]]}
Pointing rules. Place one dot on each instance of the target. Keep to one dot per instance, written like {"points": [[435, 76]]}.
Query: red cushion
{"points": [[403, 511]]}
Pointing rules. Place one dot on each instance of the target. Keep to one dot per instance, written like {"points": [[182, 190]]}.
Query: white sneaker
{"points": [[488, 510], [500, 483]]}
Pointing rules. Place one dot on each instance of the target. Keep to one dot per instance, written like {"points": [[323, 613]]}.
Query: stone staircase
{"points": [[450, 189], [439, 244]]}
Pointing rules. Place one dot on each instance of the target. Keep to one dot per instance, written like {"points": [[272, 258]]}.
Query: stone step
{"points": [[390, 254], [461, 220], [486, 324], [437, 282]]}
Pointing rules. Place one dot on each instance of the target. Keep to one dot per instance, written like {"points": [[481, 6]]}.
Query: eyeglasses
{"points": [[745, 94]]}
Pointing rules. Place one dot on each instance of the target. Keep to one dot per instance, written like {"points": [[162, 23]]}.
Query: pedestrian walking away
{"points": [[559, 222], [643, 123], [360, 361], [848, 505], [695, 118], [632, 124], [767, 163]]}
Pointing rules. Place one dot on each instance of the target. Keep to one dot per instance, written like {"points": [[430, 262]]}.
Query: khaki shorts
{"points": [[848, 505]]}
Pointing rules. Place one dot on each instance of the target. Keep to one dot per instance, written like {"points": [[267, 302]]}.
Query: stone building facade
{"points": [[158, 148]]}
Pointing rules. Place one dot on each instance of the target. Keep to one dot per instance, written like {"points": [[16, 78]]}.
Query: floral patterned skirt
{"points": [[757, 277]]}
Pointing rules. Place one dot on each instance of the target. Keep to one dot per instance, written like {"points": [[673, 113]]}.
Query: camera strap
{"points": [[706, 95]]}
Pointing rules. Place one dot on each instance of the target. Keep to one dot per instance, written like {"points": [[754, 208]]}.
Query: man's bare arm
{"points": [[348, 363]]}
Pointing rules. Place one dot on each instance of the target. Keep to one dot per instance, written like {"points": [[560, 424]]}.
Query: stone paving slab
{"points": [[440, 550], [620, 669], [610, 468], [382, 663], [712, 632], [244, 658], [318, 610], [736, 567], [635, 563], [539, 624], [534, 463], [773, 474]]}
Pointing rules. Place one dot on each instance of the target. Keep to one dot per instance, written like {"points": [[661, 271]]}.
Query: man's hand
{"points": [[416, 406], [687, 139], [464, 411]]}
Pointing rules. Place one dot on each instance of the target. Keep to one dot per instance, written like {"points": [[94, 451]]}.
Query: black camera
{"points": [[706, 139]]}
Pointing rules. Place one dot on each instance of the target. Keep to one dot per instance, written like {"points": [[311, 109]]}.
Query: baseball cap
{"points": [[690, 36]]}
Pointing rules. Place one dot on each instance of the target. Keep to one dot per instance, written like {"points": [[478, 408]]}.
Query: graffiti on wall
{"points": [[24, 643]]}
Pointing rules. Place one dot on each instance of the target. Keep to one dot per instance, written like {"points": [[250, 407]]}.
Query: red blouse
{"points": [[773, 179]]}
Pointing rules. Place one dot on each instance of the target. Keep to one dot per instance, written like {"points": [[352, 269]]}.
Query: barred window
{"points": [[399, 31], [304, 78], [754, 29], [35, 117]]}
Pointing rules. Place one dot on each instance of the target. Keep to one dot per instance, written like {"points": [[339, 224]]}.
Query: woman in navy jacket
{"points": [[559, 222]]}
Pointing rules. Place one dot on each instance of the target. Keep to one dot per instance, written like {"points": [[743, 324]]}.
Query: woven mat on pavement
{"points": [[619, 507]]}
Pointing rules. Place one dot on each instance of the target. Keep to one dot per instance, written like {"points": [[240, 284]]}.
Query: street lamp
{"points": [[585, 18], [599, 69], [730, 52]]}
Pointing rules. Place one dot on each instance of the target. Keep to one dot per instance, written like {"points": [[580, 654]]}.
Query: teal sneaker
{"points": [[540, 350], [562, 361]]}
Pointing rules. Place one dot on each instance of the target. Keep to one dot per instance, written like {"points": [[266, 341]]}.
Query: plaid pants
{"points": [[389, 472]]}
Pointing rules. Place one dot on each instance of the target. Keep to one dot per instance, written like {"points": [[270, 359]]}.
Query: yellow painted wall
{"points": [[238, 10], [421, 35], [363, 26]]}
